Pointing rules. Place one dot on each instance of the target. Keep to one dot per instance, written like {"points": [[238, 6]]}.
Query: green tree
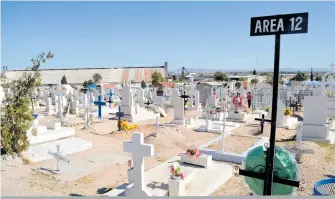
{"points": [[87, 82], [299, 77], [220, 76], [254, 81], [16, 115], [156, 78], [318, 78], [96, 77], [63, 81], [238, 84], [143, 85], [243, 79], [266, 74], [254, 72]]}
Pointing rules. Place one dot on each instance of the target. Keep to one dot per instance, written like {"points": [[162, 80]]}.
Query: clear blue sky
{"points": [[213, 35]]}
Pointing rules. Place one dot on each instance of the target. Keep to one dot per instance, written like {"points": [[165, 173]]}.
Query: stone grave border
{"points": [[230, 157]]}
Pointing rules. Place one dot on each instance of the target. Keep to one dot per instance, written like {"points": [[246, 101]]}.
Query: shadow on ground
{"points": [[74, 194], [103, 190]]}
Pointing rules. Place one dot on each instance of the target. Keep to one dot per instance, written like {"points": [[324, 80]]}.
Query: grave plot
{"points": [[197, 180], [234, 157], [235, 144]]}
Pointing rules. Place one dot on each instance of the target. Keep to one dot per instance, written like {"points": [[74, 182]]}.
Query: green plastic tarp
{"points": [[285, 166]]}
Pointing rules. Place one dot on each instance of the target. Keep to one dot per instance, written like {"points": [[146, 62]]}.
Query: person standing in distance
{"points": [[249, 97]]}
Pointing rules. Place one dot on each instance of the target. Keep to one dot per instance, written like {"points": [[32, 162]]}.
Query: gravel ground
{"points": [[313, 167]]}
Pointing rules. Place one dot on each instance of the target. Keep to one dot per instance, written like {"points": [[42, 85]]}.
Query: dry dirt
{"points": [[20, 180], [313, 167], [235, 144]]}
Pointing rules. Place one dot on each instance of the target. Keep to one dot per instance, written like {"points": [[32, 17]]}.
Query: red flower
{"points": [[181, 175], [172, 169]]}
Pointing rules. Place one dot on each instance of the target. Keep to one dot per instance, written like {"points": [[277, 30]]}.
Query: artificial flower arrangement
{"points": [[127, 127], [193, 152], [175, 172], [287, 111]]}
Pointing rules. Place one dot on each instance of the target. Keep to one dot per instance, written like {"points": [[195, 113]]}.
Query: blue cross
{"points": [[99, 103], [119, 114]]}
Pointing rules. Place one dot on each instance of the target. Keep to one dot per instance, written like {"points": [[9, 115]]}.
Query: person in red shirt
{"points": [[249, 97]]}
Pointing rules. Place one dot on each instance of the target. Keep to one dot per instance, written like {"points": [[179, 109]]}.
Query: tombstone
{"points": [[160, 101], [298, 141], [315, 127], [48, 106], [75, 105], [139, 151], [178, 110], [140, 97]]}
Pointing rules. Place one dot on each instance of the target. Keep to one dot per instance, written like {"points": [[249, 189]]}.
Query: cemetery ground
{"points": [[104, 166]]}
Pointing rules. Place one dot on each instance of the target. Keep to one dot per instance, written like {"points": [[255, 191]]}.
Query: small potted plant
{"points": [[266, 109], [175, 173], [193, 152]]}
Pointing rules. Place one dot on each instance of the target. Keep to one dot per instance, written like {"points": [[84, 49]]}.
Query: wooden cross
{"points": [[262, 122], [119, 115], [100, 104], [148, 103], [185, 97], [58, 156]]}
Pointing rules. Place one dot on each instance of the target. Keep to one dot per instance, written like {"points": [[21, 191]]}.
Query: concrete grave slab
{"points": [[83, 165], [206, 181], [51, 135], [68, 146]]}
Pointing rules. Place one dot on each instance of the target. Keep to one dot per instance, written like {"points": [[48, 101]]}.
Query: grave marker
{"points": [[139, 151], [119, 115], [58, 156], [275, 25], [99, 103]]}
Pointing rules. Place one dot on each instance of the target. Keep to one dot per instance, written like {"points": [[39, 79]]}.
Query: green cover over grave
{"points": [[285, 167]]}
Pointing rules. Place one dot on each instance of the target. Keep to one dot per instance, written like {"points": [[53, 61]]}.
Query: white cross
{"points": [[139, 151], [223, 128], [86, 108], [58, 156]]}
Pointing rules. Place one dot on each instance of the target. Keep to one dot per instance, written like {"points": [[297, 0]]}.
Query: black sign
{"points": [[279, 24]]}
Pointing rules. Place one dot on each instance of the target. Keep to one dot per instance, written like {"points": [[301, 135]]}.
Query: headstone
{"points": [[178, 110], [139, 151]]}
